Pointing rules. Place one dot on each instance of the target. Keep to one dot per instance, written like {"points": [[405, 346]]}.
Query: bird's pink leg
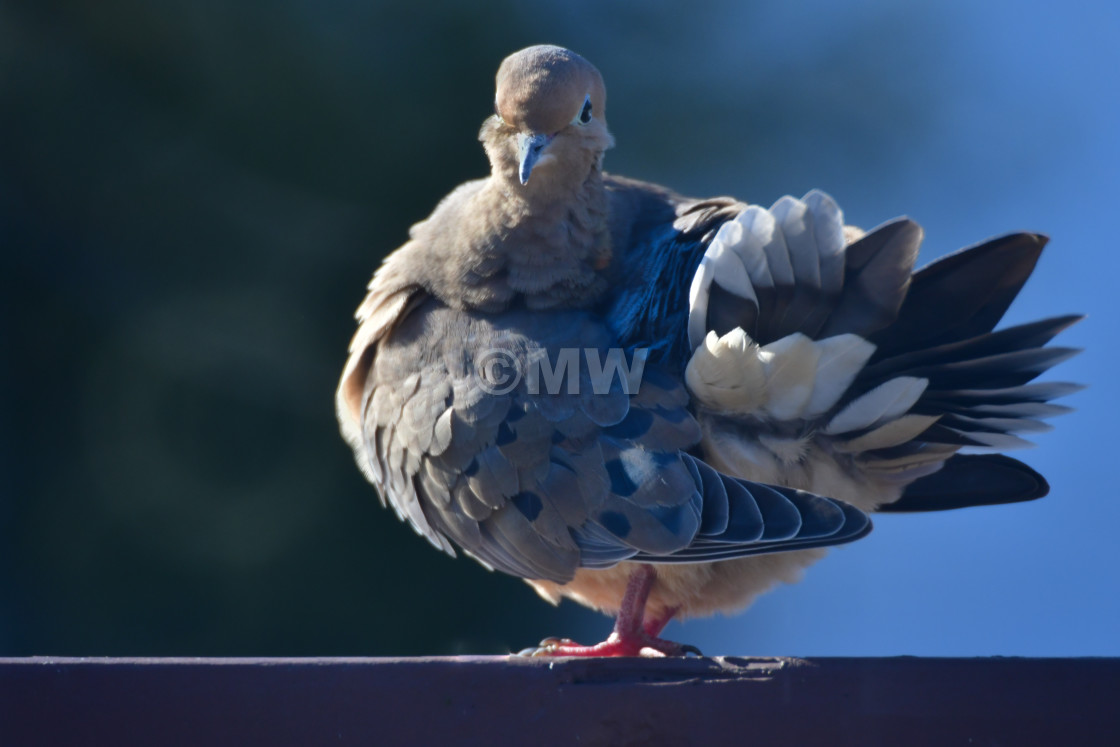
{"points": [[632, 634], [654, 625]]}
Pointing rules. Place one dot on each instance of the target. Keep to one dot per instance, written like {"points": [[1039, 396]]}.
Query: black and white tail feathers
{"points": [[899, 369]]}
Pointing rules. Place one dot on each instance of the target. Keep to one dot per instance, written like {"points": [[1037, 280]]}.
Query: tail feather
{"points": [[925, 374], [972, 480], [1021, 337], [784, 270], [1037, 392], [876, 278], [998, 371], [962, 295]]}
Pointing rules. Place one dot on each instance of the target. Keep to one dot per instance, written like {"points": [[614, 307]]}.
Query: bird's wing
{"points": [[788, 330], [392, 295], [470, 443]]}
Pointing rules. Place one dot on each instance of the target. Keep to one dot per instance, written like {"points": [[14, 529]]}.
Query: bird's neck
{"points": [[550, 242]]}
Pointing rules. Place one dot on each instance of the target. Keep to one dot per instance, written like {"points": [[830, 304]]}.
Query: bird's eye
{"points": [[585, 113]]}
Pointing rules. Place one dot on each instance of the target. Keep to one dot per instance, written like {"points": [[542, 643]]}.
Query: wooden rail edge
{"points": [[511, 700]]}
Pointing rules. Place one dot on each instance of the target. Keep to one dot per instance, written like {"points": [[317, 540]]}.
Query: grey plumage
{"points": [[795, 372], [540, 484]]}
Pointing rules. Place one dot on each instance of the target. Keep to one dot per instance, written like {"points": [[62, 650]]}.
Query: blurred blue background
{"points": [[192, 198]]}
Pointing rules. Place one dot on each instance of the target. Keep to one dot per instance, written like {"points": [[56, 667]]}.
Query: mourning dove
{"points": [[661, 407]]}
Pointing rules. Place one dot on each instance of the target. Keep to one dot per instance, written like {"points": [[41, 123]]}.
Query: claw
{"points": [[548, 647], [633, 635], [635, 644], [552, 641], [532, 651]]}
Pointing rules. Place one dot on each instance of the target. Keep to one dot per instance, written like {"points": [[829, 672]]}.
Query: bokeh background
{"points": [[193, 195]]}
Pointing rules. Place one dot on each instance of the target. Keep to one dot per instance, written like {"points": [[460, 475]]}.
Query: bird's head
{"points": [[549, 119]]}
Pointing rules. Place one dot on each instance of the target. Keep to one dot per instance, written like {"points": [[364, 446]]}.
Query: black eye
{"points": [[585, 114]]}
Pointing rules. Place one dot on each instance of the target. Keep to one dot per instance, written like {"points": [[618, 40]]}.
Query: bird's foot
{"points": [[633, 635], [638, 643]]}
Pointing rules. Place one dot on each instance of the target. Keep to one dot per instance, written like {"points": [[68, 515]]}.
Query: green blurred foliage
{"points": [[192, 197]]}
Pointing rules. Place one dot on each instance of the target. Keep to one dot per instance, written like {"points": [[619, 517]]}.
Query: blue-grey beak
{"points": [[529, 149]]}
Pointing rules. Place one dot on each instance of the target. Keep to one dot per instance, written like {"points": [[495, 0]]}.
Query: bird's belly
{"points": [[694, 589]]}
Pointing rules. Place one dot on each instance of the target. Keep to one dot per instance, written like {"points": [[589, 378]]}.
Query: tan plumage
{"points": [[765, 327]]}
